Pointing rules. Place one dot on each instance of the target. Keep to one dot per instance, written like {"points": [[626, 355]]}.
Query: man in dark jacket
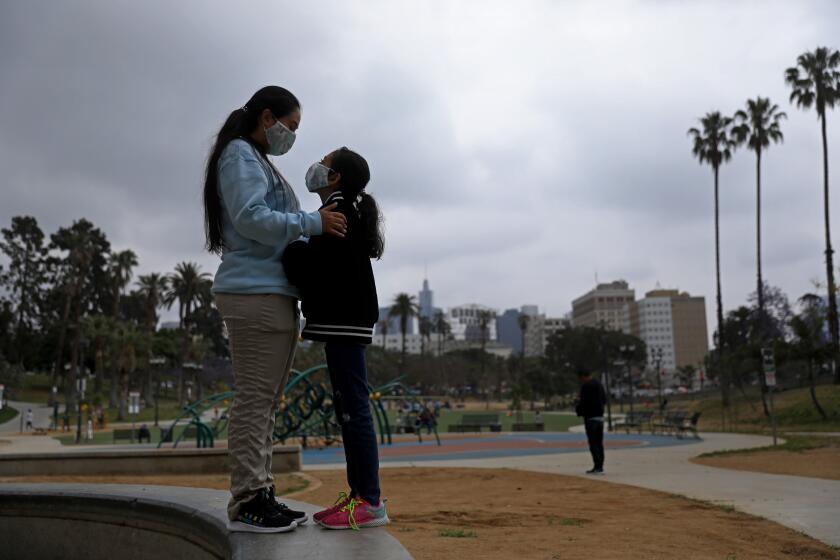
{"points": [[590, 405]]}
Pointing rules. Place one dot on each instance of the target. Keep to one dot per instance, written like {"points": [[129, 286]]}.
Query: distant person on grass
{"points": [[340, 305], [590, 405], [251, 215]]}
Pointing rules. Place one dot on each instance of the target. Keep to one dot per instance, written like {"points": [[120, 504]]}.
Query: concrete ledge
{"points": [[107, 521], [137, 461]]}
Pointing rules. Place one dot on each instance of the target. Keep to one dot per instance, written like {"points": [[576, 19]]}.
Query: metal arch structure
{"points": [[306, 412]]}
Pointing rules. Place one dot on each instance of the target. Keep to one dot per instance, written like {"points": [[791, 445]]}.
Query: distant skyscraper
{"points": [[426, 299]]}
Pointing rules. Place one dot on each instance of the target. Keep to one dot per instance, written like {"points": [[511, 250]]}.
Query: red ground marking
{"points": [[431, 449]]}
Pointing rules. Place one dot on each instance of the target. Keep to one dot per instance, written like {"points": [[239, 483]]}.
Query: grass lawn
{"points": [[7, 414], [794, 410]]}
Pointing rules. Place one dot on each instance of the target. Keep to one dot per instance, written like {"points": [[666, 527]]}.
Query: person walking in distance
{"points": [[590, 405]]}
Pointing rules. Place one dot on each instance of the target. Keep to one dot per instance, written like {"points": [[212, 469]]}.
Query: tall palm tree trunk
{"points": [[762, 323], [829, 263], [724, 376]]}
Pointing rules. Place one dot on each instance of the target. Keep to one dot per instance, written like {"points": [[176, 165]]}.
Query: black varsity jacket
{"points": [[335, 279]]}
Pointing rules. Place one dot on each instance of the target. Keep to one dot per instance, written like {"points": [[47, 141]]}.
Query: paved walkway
{"points": [[41, 416], [809, 505]]}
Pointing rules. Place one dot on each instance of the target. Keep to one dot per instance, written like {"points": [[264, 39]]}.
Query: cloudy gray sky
{"points": [[517, 148]]}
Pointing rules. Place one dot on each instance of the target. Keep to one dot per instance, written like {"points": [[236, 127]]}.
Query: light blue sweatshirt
{"points": [[261, 215]]}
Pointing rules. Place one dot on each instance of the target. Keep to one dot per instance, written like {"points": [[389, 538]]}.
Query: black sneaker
{"points": [[595, 471], [299, 517], [260, 515]]}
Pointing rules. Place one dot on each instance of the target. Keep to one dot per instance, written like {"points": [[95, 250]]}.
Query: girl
{"points": [[251, 214], [341, 308]]}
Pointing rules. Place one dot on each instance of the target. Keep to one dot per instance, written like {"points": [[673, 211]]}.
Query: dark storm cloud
{"points": [[516, 152]]}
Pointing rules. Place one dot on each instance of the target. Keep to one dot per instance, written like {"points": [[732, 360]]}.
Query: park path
{"points": [[41, 416], [809, 505]]}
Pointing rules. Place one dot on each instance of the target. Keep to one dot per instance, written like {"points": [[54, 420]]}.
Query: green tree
{"points": [[405, 308], [808, 343], [712, 145], [99, 330], [24, 279], [815, 82], [82, 280]]}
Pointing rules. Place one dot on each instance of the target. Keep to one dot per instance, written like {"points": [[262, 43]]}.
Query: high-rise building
{"points": [[552, 326], [603, 306], [465, 324], [510, 331], [426, 301], [672, 321]]}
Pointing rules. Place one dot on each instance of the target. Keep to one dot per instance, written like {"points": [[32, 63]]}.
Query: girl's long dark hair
{"points": [[239, 124], [355, 175]]}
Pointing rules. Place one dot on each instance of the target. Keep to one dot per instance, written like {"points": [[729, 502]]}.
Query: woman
{"points": [[341, 308], [251, 214]]}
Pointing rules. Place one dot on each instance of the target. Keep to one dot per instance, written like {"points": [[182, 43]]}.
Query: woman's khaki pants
{"points": [[263, 334]]}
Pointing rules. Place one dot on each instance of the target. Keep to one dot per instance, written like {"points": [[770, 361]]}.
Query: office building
{"points": [[603, 307]]}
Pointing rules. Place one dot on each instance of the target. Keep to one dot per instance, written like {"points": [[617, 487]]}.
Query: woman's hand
{"points": [[333, 223]]}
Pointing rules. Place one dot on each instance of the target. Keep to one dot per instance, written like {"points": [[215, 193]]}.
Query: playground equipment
{"points": [[306, 413]]}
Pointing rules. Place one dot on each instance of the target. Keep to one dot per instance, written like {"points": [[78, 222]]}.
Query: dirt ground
{"points": [[816, 463], [459, 514]]}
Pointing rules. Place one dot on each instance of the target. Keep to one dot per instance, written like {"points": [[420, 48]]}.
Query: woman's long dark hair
{"points": [[355, 175], [239, 124]]}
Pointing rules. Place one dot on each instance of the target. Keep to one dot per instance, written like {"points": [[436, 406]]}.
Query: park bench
{"points": [[636, 420], [671, 422], [476, 422], [124, 434], [689, 425], [189, 434], [528, 427]]}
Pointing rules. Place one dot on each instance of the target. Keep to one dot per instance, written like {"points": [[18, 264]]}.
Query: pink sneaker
{"points": [[342, 500], [357, 514]]}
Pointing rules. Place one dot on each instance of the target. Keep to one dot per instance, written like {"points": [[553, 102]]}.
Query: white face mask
{"points": [[280, 139], [317, 177]]}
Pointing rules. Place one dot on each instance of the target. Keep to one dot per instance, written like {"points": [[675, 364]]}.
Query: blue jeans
{"points": [[348, 376]]}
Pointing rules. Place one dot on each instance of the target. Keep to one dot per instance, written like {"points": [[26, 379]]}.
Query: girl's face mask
{"points": [[317, 177], [280, 139]]}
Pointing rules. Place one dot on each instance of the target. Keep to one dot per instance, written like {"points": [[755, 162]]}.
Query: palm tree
{"points": [[484, 318], [153, 288], [757, 127], [425, 328], [185, 287], [815, 81], [120, 266], [713, 145], [442, 329], [404, 307]]}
